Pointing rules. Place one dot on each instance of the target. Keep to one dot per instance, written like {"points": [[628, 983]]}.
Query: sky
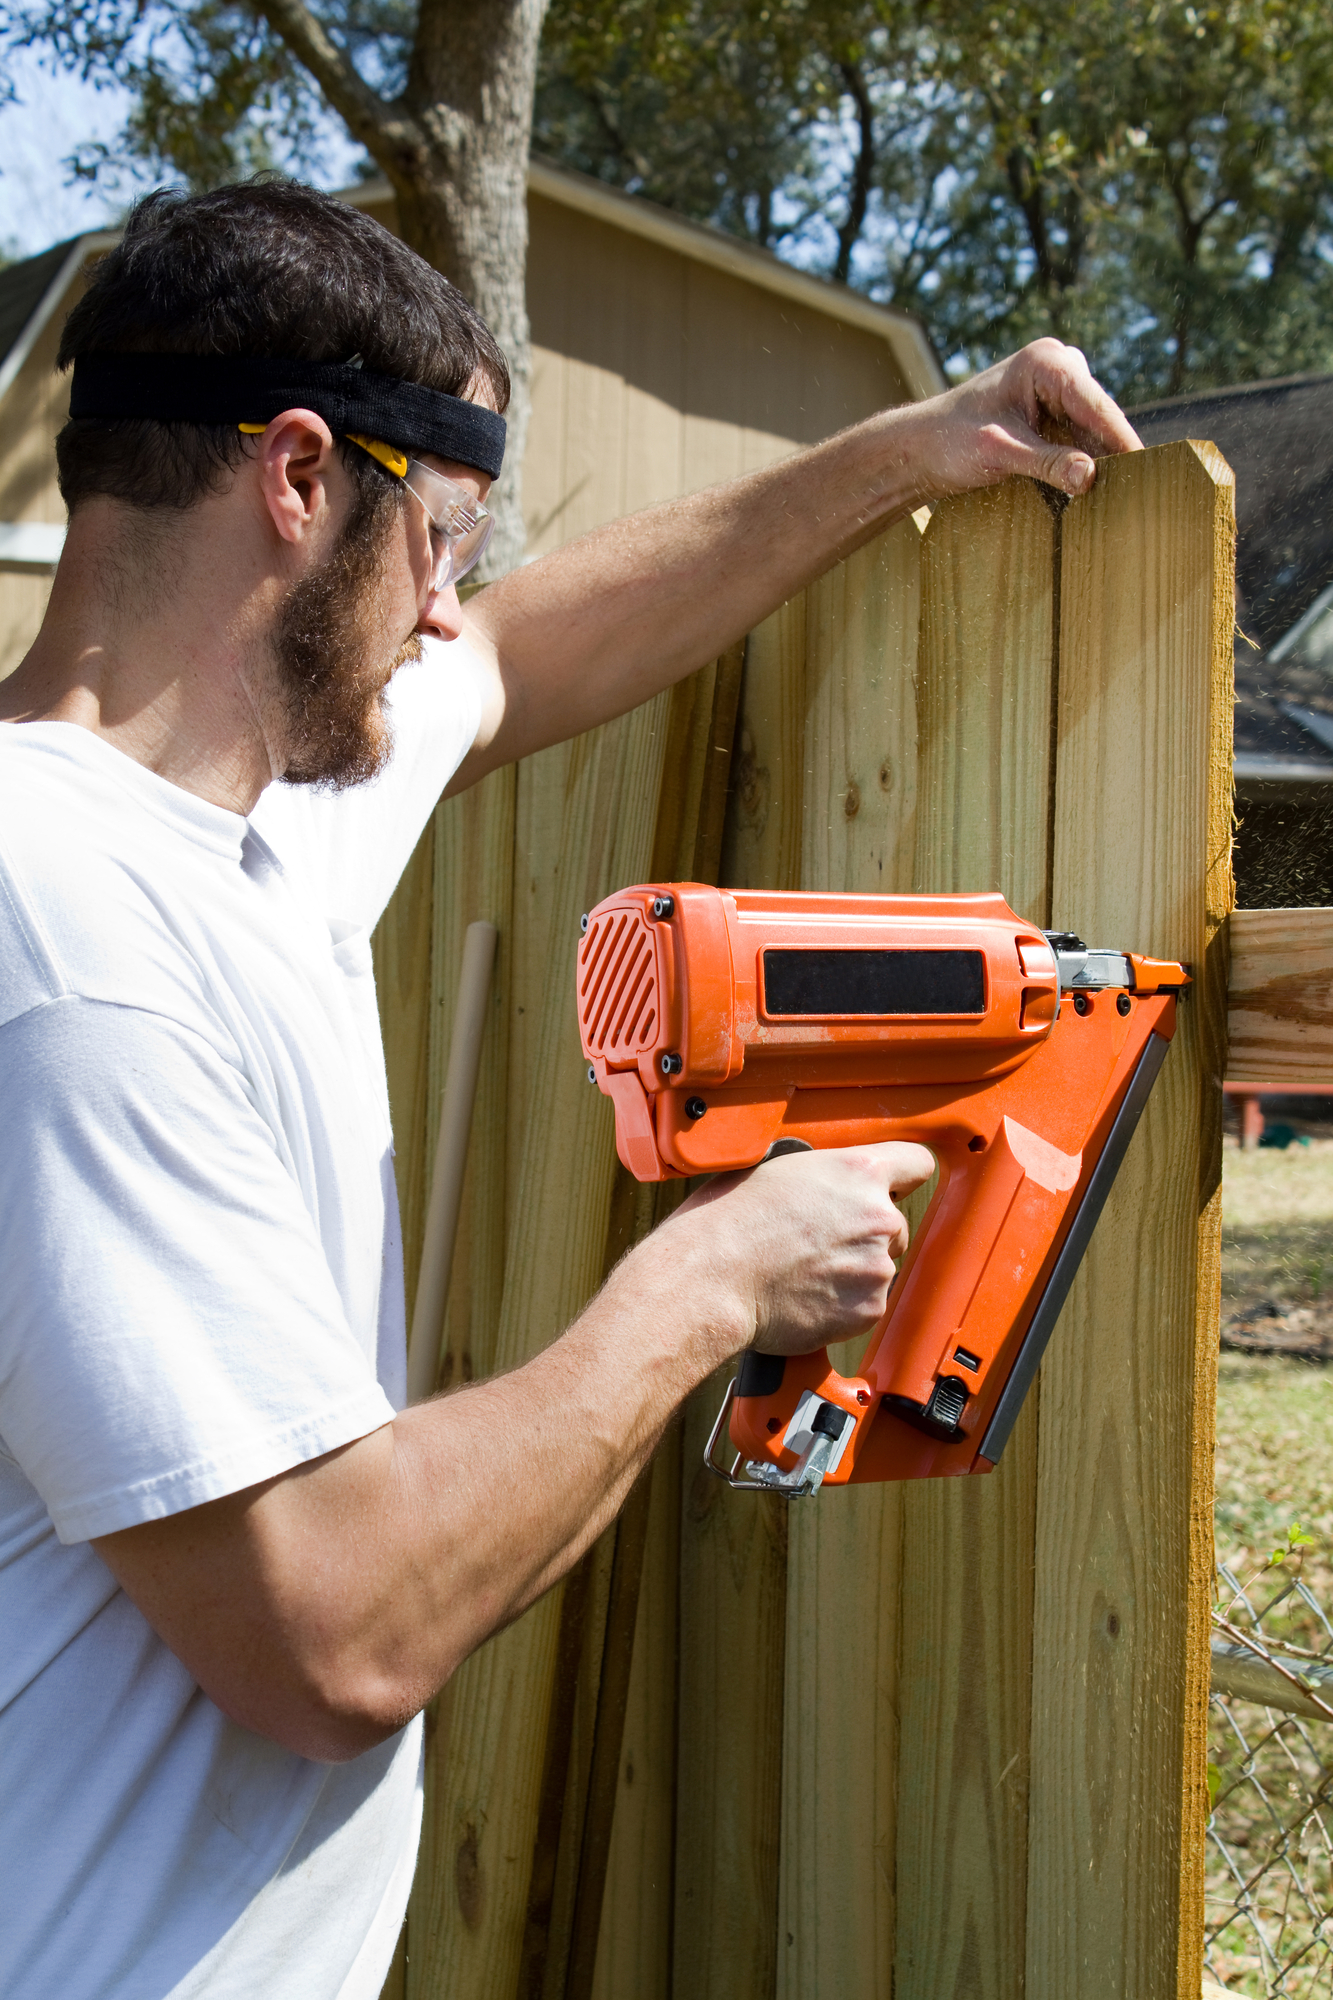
{"points": [[54, 114]]}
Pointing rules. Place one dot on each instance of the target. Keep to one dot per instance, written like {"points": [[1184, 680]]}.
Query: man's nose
{"points": [[443, 614]]}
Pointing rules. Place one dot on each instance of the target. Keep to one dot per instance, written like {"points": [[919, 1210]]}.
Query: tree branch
{"points": [[368, 117], [858, 199]]}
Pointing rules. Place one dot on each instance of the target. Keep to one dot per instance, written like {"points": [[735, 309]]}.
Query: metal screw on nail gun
{"points": [[583, 924], [664, 907], [592, 1074], [672, 1065], [1081, 1003], [1123, 1003], [695, 1107]]}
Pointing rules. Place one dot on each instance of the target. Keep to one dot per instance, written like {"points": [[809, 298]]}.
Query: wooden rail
{"points": [[1280, 1000]]}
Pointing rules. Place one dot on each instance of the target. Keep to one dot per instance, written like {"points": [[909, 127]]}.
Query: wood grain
{"points": [[985, 693], [733, 1580], [685, 847], [1280, 998], [1123, 1542], [589, 829], [473, 838], [634, 1942], [733, 1546], [840, 1738]]}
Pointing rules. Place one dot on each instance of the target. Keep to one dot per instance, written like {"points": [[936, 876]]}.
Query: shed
{"points": [[666, 356]]}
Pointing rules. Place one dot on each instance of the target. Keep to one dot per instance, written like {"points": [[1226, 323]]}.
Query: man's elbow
{"points": [[330, 1718]]}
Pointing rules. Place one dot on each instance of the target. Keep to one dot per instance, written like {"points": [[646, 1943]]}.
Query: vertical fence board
{"points": [[733, 1546], [597, 819], [1120, 1669], [473, 837], [700, 727], [638, 1922], [634, 1946], [984, 702], [858, 762]]}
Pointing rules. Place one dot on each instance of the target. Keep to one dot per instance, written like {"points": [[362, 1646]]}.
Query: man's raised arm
{"points": [[601, 625]]}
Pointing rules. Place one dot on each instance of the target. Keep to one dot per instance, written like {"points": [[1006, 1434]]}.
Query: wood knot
{"points": [[704, 1490], [851, 799], [886, 776], [468, 1882]]}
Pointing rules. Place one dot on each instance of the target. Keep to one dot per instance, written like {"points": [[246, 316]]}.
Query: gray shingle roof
{"points": [[1278, 439], [23, 287]]}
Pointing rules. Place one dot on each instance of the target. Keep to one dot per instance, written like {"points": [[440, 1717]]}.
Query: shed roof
{"points": [[31, 291], [1278, 438], [22, 289]]}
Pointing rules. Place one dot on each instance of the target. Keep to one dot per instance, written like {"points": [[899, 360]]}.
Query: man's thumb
{"points": [[1073, 472]]}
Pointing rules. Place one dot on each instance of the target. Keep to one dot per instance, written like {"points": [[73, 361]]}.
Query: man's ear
{"points": [[295, 453]]}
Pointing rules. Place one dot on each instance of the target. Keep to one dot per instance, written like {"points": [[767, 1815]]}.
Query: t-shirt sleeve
{"points": [[170, 1330], [351, 847]]}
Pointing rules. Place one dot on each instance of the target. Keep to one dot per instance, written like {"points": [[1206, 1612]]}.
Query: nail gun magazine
{"points": [[729, 1025]]}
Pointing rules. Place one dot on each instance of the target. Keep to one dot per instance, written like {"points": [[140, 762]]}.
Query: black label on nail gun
{"points": [[874, 982]]}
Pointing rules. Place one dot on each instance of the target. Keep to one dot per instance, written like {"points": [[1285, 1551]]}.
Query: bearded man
{"points": [[232, 1567]]}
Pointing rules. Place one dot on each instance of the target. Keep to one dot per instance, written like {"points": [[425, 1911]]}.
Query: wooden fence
{"points": [[932, 1740]]}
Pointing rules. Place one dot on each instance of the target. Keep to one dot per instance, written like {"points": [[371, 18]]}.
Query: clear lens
{"points": [[460, 526], [463, 552]]}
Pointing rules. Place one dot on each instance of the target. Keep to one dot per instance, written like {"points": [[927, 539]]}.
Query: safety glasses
{"points": [[460, 526]]}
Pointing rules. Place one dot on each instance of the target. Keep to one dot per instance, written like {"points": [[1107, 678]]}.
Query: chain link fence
{"points": [[1269, 1892]]}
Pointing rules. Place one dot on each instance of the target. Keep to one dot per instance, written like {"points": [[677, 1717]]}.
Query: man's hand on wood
{"points": [[1038, 415]]}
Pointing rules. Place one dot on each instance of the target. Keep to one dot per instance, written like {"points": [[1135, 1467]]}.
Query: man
{"points": [[233, 1569]]}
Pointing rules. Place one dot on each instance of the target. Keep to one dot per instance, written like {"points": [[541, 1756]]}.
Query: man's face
{"points": [[346, 627]]}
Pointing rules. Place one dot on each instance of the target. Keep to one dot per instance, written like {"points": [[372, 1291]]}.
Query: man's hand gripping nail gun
{"points": [[730, 1025]]}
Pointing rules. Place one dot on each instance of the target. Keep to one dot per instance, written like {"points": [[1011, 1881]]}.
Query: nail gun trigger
{"points": [[780, 1147], [820, 1430]]}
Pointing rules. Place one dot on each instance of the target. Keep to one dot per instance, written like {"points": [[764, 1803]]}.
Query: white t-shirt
{"points": [[200, 1286]]}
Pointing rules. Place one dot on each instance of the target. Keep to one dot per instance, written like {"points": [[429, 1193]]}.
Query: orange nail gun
{"points": [[730, 1025]]}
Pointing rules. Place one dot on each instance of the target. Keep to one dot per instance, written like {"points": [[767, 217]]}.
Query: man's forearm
{"points": [[384, 1564], [324, 1607], [631, 607], [605, 623]]}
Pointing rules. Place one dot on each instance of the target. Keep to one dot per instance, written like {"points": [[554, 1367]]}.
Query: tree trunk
{"points": [[454, 147], [462, 192]]}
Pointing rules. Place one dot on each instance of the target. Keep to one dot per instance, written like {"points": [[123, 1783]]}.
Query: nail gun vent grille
{"points": [[618, 987], [874, 982]]}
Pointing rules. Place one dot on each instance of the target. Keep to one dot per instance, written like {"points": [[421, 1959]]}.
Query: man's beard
{"points": [[324, 643]]}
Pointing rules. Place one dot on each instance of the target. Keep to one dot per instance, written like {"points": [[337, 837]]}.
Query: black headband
{"points": [[249, 389]]}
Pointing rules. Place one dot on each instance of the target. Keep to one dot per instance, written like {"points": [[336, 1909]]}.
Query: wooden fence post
{"points": [[840, 1741], [1142, 851], [965, 1611]]}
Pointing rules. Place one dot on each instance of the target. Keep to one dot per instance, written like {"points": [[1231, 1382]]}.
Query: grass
{"points": [[1274, 1414], [1277, 1225]]}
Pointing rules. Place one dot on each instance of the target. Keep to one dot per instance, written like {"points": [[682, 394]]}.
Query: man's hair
{"points": [[265, 268]]}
